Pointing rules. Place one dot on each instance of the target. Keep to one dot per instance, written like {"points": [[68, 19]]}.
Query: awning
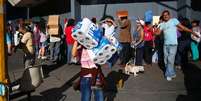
{"points": [[25, 3]]}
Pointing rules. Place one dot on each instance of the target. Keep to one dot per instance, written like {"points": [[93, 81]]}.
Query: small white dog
{"points": [[131, 68]]}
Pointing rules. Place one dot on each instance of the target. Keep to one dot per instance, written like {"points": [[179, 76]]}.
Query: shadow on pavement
{"points": [[54, 94], [47, 68], [114, 80], [192, 81]]}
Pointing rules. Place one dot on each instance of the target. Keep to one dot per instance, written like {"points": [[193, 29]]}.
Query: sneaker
{"points": [[39, 57], [169, 78], [43, 57]]}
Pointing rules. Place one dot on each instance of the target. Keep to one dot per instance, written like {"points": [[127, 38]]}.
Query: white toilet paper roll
{"points": [[89, 31], [82, 26], [101, 61]]}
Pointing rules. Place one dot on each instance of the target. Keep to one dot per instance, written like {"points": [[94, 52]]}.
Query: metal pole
{"points": [[28, 12], [3, 71]]}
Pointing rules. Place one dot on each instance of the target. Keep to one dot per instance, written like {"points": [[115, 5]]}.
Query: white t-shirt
{"points": [[109, 30]]}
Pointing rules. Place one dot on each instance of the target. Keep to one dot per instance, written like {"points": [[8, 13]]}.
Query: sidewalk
{"points": [[150, 86]]}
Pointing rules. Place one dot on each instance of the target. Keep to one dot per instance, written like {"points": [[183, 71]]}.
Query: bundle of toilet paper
{"points": [[100, 48], [102, 52], [87, 33]]}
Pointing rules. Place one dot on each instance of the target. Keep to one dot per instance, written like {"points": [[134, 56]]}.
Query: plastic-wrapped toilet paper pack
{"points": [[81, 27], [101, 61], [87, 44], [104, 47], [115, 42], [88, 33], [97, 59], [102, 52]]}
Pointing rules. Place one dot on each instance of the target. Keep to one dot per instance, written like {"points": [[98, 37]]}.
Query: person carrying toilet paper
{"points": [[109, 31], [91, 78]]}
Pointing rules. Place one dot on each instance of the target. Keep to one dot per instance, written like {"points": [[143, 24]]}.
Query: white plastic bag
{"points": [[155, 57]]}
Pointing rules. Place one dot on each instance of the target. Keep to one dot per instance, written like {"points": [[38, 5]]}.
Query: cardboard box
{"points": [[53, 20], [122, 13], [155, 20], [53, 30]]}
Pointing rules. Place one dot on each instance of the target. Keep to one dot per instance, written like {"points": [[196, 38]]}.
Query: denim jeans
{"points": [[113, 60], [139, 56], [69, 52], [182, 52], [54, 50], [148, 46], [126, 53], [86, 91], [169, 58]]}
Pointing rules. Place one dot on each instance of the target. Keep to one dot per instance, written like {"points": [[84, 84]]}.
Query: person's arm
{"points": [[24, 40], [141, 32], [186, 29], [157, 31]]}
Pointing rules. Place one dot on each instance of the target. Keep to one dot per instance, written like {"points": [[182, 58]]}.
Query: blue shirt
{"points": [[8, 38], [169, 29]]}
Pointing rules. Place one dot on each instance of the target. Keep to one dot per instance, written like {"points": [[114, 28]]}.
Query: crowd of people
{"points": [[174, 40]]}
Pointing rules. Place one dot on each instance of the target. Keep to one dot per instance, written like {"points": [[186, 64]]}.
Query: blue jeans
{"points": [[85, 87], [169, 58], [139, 56], [54, 50], [113, 59], [182, 52], [69, 53]]}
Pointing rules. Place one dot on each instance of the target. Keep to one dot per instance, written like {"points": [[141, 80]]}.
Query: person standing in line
{"points": [[8, 40], [109, 27], [43, 45], [69, 40], [148, 43], [27, 46], [36, 38], [139, 43], [195, 41], [55, 42], [169, 28], [125, 39]]}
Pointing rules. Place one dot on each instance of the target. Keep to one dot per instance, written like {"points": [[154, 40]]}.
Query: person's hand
{"points": [[136, 44], [133, 44], [196, 35]]}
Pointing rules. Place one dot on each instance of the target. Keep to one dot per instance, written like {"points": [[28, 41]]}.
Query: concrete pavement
{"points": [[150, 86]]}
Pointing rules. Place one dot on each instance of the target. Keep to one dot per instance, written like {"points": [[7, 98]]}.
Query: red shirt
{"points": [[148, 33], [68, 33]]}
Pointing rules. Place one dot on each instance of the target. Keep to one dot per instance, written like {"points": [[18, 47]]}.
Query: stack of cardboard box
{"points": [[53, 24]]}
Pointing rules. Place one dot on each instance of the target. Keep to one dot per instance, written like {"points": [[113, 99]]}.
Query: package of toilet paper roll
{"points": [[102, 52], [115, 42], [87, 33]]}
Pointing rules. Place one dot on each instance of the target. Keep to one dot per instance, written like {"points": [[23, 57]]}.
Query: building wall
{"points": [[134, 9]]}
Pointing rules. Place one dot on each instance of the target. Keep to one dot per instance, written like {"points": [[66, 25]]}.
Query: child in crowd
{"points": [[43, 45]]}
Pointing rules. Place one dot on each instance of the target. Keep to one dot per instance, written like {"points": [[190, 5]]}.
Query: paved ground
{"points": [[150, 86]]}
